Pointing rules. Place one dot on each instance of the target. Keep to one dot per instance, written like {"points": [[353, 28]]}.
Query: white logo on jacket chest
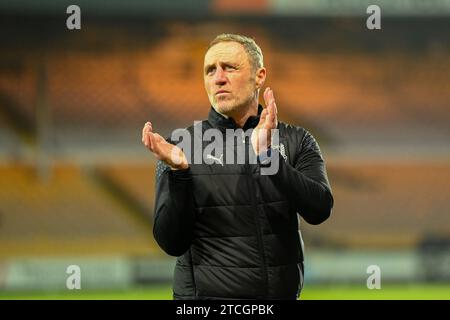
{"points": [[281, 148]]}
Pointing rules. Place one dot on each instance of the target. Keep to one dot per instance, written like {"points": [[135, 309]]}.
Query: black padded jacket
{"points": [[236, 232]]}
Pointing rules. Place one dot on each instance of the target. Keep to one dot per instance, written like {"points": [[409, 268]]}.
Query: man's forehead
{"points": [[226, 51]]}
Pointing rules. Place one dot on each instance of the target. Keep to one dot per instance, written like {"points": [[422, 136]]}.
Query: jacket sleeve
{"points": [[305, 182], [174, 209]]}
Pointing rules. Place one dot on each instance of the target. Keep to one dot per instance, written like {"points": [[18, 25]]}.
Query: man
{"points": [[235, 230]]}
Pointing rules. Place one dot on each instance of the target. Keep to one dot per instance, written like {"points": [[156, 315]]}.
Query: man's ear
{"points": [[260, 77]]}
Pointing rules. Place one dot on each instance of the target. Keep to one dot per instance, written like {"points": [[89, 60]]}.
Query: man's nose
{"points": [[220, 77]]}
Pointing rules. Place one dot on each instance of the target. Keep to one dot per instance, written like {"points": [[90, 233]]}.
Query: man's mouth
{"points": [[221, 92]]}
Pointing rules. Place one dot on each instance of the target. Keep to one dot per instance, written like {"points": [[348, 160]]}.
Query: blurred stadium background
{"points": [[77, 186]]}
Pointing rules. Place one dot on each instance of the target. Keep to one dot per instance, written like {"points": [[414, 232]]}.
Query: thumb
{"points": [[159, 138]]}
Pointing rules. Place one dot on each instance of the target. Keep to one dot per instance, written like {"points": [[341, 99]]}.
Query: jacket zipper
{"points": [[258, 224]]}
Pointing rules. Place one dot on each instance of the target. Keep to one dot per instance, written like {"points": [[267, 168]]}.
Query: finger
{"points": [[273, 109], [149, 127], [157, 141], [146, 129], [266, 97], [144, 134], [271, 97], [152, 145], [271, 115], [147, 140], [275, 117]]}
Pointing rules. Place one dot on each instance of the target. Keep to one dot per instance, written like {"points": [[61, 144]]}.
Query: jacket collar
{"points": [[219, 121]]}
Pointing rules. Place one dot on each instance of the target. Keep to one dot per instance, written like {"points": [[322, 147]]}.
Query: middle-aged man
{"points": [[234, 228]]}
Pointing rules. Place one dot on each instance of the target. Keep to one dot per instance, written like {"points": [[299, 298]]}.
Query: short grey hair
{"points": [[254, 52]]}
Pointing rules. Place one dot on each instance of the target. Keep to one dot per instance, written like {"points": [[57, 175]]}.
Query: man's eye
{"points": [[210, 70], [230, 68]]}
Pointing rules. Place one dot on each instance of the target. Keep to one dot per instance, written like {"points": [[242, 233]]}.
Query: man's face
{"points": [[229, 77]]}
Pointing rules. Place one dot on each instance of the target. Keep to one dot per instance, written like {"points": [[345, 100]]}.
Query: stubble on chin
{"points": [[231, 106], [224, 106]]}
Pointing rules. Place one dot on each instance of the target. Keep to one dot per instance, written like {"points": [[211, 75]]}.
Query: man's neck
{"points": [[241, 117]]}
